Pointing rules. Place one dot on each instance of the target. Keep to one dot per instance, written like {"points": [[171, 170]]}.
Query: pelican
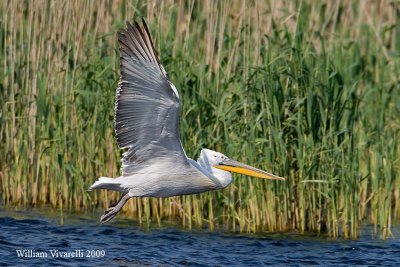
{"points": [[147, 109]]}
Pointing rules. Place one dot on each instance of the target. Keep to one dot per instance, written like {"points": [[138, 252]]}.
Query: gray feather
{"points": [[146, 108]]}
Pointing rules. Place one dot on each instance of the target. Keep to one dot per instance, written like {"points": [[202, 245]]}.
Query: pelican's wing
{"points": [[147, 103]]}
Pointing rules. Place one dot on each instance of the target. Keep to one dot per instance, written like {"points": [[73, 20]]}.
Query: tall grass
{"points": [[306, 89]]}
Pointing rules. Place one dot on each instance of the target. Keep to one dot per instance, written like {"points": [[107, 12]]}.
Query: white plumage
{"points": [[146, 122]]}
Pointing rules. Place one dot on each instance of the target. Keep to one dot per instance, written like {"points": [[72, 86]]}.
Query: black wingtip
{"points": [[144, 22], [134, 26], [128, 24], [146, 29], [135, 23]]}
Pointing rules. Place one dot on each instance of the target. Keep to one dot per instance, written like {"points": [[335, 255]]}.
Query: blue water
{"points": [[125, 243]]}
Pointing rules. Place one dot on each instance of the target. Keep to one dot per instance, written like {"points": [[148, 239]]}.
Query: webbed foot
{"points": [[114, 209]]}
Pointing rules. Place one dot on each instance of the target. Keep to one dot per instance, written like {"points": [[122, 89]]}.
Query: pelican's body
{"points": [[165, 178], [146, 122]]}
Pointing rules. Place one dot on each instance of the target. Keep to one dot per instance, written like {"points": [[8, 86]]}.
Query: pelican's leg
{"points": [[114, 209]]}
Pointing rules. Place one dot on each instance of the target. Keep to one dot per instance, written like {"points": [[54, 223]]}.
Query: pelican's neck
{"points": [[220, 177]]}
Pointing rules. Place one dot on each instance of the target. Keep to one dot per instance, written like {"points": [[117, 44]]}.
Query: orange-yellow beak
{"points": [[238, 167]]}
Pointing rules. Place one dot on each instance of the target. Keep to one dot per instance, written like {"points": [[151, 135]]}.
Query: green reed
{"points": [[308, 90]]}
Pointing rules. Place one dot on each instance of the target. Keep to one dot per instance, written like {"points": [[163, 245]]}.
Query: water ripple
{"points": [[130, 246]]}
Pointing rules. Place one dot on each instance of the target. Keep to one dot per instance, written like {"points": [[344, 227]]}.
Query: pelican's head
{"points": [[221, 166]]}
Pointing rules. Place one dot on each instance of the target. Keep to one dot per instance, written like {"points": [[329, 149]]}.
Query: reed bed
{"points": [[306, 89]]}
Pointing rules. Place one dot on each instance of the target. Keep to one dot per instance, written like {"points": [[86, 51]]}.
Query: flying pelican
{"points": [[146, 122]]}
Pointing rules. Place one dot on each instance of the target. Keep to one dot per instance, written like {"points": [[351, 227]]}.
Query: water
{"points": [[125, 243]]}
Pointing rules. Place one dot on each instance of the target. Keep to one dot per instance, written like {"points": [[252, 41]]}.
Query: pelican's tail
{"points": [[107, 183]]}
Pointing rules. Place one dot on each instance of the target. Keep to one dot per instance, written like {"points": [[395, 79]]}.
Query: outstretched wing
{"points": [[147, 103]]}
